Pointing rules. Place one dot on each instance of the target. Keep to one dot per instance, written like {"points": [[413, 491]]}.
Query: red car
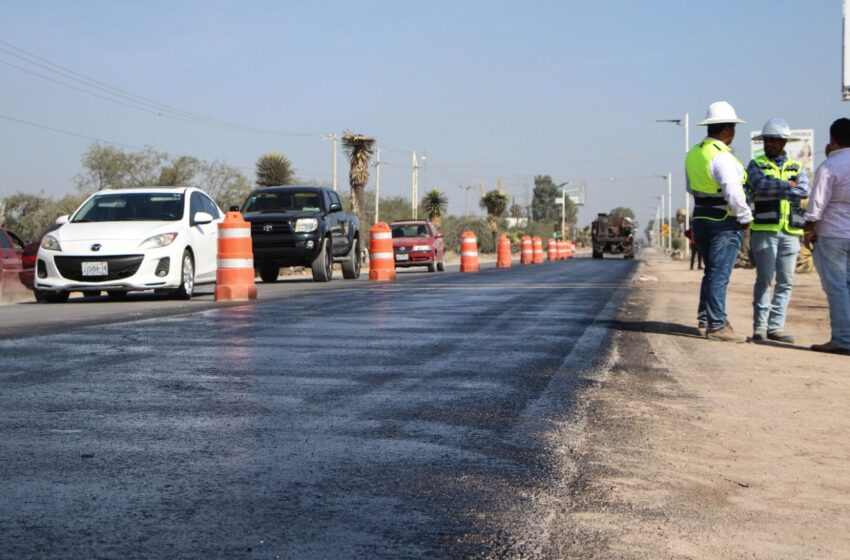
{"points": [[418, 243], [11, 264]]}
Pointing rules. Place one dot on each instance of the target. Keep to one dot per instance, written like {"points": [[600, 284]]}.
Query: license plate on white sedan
{"points": [[95, 269], [400, 257]]}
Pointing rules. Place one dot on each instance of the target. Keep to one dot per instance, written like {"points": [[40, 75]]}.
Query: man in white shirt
{"points": [[715, 177], [828, 229]]}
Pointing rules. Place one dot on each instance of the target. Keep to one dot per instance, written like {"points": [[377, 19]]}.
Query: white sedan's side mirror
{"points": [[62, 220], [201, 218]]}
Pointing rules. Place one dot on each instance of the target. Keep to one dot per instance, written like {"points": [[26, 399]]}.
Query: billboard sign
{"points": [[801, 147]]}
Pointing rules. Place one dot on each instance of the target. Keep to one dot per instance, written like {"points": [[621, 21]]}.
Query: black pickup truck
{"points": [[302, 226]]}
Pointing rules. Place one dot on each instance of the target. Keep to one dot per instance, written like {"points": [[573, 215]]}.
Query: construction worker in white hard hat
{"points": [[776, 185], [716, 178]]}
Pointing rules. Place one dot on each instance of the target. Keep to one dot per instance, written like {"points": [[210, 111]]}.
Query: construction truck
{"points": [[614, 235]]}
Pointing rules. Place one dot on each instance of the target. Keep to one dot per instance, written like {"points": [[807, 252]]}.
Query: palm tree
{"points": [[359, 149], [496, 202], [435, 203], [274, 168]]}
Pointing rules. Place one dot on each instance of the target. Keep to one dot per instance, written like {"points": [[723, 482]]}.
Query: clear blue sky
{"points": [[486, 89]]}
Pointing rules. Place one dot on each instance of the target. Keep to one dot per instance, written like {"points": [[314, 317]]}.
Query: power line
{"points": [[123, 97], [69, 133]]}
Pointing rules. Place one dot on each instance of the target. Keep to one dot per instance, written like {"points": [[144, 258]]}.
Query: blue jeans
{"points": [[719, 242], [775, 253], [832, 259]]}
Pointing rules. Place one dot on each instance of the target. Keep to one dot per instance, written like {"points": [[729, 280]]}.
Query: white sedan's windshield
{"points": [[132, 207]]}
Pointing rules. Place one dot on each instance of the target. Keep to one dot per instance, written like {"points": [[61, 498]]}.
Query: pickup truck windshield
{"points": [[132, 207], [288, 201]]}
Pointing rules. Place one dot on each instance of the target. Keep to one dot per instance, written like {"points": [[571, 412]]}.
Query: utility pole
{"points": [[670, 210], [563, 213], [687, 194], [378, 185], [414, 185]]}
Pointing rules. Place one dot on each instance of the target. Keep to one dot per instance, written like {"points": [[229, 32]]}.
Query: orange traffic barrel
{"points": [[503, 259], [468, 252], [234, 277], [381, 259], [562, 250], [571, 249], [526, 252], [538, 249], [552, 249]]}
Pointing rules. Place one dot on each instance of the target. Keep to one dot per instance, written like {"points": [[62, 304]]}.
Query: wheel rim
{"points": [[188, 275]]}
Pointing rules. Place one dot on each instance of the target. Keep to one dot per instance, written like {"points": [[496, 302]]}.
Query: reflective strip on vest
{"points": [[234, 233], [236, 263], [775, 214]]}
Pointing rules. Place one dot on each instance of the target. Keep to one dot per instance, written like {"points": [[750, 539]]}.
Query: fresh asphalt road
{"points": [[352, 420]]}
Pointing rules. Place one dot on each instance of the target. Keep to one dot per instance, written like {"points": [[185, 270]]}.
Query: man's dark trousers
{"points": [[719, 242]]}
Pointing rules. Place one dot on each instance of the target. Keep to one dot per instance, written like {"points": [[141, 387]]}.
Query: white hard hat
{"points": [[720, 112], [775, 128]]}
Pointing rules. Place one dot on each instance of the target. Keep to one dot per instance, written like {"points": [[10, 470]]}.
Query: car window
{"points": [[196, 204], [125, 207], [4, 241], [16, 241], [410, 230], [334, 198], [211, 207], [272, 202]]}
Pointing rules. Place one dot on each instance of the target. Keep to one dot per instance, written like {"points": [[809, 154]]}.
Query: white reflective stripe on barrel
{"points": [[469, 240], [228, 233], [236, 263], [382, 235], [380, 256], [469, 253]]}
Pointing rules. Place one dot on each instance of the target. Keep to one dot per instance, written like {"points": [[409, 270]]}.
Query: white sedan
{"points": [[153, 238]]}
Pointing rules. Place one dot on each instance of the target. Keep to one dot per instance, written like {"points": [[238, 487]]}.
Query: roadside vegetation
{"points": [[107, 167]]}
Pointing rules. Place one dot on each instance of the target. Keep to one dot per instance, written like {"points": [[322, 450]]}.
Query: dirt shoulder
{"points": [[703, 449]]}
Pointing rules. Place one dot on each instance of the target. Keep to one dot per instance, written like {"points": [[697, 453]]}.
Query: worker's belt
{"points": [[711, 208]]}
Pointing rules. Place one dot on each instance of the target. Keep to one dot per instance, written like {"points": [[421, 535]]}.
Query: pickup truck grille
{"points": [[268, 228]]}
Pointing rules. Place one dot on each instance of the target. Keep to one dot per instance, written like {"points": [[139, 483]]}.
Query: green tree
{"points": [[359, 149], [543, 205], [435, 203], [622, 211], [29, 215], [496, 202], [225, 184], [106, 167], [179, 172], [274, 168]]}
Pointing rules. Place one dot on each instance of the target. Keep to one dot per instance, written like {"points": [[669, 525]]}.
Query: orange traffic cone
{"points": [[503, 259], [468, 252], [526, 252], [552, 249], [381, 259], [538, 249], [234, 277]]}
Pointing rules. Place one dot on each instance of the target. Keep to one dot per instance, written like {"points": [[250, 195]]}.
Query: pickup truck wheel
{"points": [[351, 265], [269, 273], [597, 254], [323, 265]]}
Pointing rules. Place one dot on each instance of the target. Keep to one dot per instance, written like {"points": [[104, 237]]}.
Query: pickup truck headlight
{"points": [[157, 241], [306, 225], [50, 243], [420, 248]]}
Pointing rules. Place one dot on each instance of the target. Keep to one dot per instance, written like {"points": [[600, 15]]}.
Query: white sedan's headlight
{"points": [[306, 225], [50, 243], [419, 248], [157, 241]]}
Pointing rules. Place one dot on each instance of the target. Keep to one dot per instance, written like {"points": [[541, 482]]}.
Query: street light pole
{"points": [[333, 138], [378, 185], [414, 184], [670, 210]]}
